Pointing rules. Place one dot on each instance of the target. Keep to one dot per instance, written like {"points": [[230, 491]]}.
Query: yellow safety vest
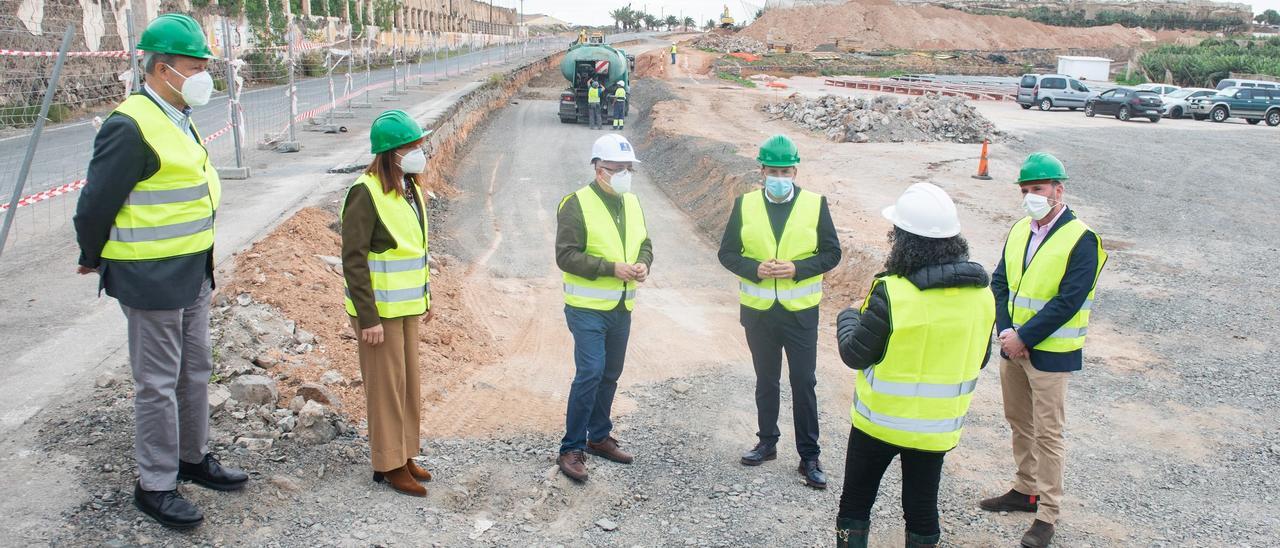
{"points": [[919, 393], [400, 276], [799, 241], [1033, 286], [604, 241], [673, 49], [620, 93], [171, 213], [593, 94]]}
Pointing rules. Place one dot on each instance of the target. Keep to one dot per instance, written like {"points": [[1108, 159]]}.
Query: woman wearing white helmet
{"points": [[918, 342]]}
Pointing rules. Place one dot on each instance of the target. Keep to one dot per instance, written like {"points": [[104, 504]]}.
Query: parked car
{"points": [[1125, 104], [1160, 89], [1239, 83], [1177, 104], [1052, 90], [1252, 104]]}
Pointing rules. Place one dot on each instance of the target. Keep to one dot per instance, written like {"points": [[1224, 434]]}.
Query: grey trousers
{"points": [[594, 116], [171, 358]]}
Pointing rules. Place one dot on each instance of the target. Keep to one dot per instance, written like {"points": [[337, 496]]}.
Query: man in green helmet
{"points": [[145, 225], [780, 240], [1044, 287]]}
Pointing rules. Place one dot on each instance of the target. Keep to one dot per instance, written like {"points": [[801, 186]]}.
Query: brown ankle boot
{"points": [[400, 480], [419, 473]]}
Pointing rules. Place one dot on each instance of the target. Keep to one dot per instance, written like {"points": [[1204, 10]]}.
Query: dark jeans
{"points": [[864, 466], [594, 115], [767, 337], [599, 350]]}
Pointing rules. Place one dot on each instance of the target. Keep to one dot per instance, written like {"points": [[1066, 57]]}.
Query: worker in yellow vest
{"points": [[594, 107], [603, 248], [780, 240], [388, 292], [144, 223], [1044, 287], [918, 342], [673, 53], [619, 105]]}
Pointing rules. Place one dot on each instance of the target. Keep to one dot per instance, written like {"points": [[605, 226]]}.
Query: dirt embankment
{"points": [[881, 24]]}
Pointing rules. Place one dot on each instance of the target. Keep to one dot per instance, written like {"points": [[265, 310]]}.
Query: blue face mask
{"points": [[779, 187]]}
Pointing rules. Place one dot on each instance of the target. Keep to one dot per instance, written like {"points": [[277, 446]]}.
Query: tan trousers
{"points": [[392, 393], [1035, 405]]}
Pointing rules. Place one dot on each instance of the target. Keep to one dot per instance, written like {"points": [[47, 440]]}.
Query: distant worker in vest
{"points": [[145, 225], [388, 293], [780, 240], [1044, 287], [594, 107], [673, 53], [603, 248], [918, 342], [619, 105]]}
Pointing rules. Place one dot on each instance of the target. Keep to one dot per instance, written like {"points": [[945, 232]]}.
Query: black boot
{"points": [[922, 541], [852, 533], [167, 507], [210, 473]]}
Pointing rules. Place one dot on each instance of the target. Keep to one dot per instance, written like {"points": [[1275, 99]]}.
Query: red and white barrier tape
{"points": [[108, 54]]}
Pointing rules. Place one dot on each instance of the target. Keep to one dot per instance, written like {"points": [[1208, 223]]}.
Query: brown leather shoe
{"points": [[419, 473], [401, 480], [608, 448], [574, 465], [1039, 535]]}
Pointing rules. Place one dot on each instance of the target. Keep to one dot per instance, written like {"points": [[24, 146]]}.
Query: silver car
{"points": [[1178, 103], [1048, 91]]}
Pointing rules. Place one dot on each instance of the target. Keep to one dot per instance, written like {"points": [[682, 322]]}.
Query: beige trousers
{"points": [[1035, 405], [392, 393]]}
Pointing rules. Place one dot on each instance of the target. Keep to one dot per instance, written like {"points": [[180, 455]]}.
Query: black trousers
{"points": [[864, 466], [768, 336]]}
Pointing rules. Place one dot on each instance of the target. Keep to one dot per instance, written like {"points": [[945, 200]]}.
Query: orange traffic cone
{"points": [[982, 163]]}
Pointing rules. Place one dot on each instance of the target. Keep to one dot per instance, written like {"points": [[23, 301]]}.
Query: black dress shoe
{"points": [[813, 474], [209, 473], [758, 454], [167, 507]]}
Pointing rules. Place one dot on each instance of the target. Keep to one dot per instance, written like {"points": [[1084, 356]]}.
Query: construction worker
{"points": [[779, 241], [603, 248], [673, 53], [145, 225], [594, 113], [1044, 287], [619, 106], [388, 292], [916, 373]]}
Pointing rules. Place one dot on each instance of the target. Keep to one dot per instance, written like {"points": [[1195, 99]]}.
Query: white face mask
{"points": [[414, 162], [196, 89], [1037, 206], [620, 182]]}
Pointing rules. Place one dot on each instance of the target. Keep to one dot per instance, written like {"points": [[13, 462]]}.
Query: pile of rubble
{"points": [[887, 119], [729, 44]]}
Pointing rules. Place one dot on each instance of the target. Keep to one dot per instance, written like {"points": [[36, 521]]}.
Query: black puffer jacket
{"points": [[863, 337]]}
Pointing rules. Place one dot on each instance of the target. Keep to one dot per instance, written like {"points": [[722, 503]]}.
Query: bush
{"points": [[312, 63], [265, 67], [1205, 64]]}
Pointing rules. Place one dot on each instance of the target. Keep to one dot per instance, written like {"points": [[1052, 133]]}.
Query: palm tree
{"points": [[671, 22], [710, 24], [689, 22]]}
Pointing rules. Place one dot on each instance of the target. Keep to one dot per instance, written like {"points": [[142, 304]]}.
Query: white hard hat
{"points": [[613, 148], [924, 210]]}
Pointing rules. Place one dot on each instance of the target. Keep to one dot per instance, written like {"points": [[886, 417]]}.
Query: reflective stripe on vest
{"points": [[171, 213], [1031, 288], [400, 276], [799, 241], [603, 241], [919, 393]]}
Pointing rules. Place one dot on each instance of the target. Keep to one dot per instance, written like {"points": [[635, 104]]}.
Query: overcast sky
{"points": [[596, 12]]}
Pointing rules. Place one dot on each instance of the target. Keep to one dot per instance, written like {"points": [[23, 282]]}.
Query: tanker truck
{"points": [[606, 64]]}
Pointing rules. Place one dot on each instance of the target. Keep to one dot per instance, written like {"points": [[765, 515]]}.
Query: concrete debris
{"points": [[316, 424], [218, 396], [332, 377], [729, 44], [318, 393], [606, 524], [255, 444], [254, 390], [244, 299], [887, 119]]}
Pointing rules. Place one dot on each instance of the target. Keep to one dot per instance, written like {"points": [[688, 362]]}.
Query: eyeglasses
{"points": [[618, 170]]}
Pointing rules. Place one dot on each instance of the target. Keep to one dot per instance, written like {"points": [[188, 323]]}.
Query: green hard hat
{"points": [[779, 151], [176, 34], [394, 129], [1042, 166]]}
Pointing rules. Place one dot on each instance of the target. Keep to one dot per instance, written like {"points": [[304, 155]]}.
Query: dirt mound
{"points": [[652, 64], [887, 119], [880, 24]]}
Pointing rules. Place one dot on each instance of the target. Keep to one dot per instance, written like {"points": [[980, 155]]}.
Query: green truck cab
{"points": [[1253, 104]]}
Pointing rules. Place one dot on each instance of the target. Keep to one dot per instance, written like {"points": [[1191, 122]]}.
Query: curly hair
{"points": [[910, 252]]}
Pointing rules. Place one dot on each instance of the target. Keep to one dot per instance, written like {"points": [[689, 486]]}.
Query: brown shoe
{"points": [[574, 465], [1013, 501], [400, 480], [1039, 535], [419, 473], [608, 448]]}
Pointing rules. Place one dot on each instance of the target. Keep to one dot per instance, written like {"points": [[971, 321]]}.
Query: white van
{"points": [[1238, 83]]}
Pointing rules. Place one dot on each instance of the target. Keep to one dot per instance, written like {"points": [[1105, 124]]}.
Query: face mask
{"points": [[1037, 206], [620, 182], [414, 162], [779, 187], [196, 89]]}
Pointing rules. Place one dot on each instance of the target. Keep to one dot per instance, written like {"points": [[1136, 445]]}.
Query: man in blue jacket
{"points": [[1044, 288]]}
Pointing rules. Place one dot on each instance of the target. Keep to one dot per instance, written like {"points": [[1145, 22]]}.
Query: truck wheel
{"points": [[1219, 114], [1046, 104], [1123, 114], [1273, 118]]}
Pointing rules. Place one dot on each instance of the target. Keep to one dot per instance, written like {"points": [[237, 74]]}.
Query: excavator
{"points": [[726, 20]]}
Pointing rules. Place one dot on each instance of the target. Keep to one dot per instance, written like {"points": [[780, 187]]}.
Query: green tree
{"points": [[671, 22], [710, 24], [689, 22], [1269, 17]]}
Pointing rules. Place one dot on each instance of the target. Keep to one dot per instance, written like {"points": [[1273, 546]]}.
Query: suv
{"points": [[1252, 104], [1052, 90]]}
